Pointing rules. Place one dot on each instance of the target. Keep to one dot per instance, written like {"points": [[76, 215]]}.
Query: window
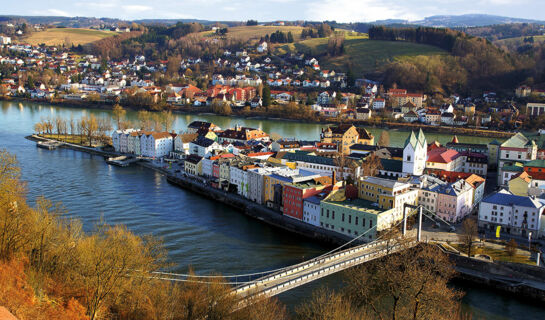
{"points": [[349, 218], [342, 218], [356, 222]]}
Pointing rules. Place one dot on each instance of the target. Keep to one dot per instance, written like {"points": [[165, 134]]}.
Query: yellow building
{"points": [[346, 135], [387, 193], [519, 184]]}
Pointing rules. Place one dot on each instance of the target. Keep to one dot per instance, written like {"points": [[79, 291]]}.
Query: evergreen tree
{"points": [[266, 96]]}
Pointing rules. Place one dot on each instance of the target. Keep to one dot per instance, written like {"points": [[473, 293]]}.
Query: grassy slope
{"points": [[61, 35], [518, 41], [255, 32], [362, 54]]}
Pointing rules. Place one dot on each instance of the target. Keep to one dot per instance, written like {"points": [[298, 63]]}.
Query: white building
{"points": [[514, 214], [415, 154], [120, 140], [156, 144], [311, 210], [262, 47], [203, 146]]}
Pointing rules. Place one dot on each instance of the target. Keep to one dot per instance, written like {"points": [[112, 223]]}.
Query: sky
{"points": [[268, 10]]}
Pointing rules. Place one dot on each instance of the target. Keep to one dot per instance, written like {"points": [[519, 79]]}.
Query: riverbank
{"points": [[258, 115]]}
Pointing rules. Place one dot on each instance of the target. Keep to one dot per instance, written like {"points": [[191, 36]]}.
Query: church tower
{"points": [[415, 154]]}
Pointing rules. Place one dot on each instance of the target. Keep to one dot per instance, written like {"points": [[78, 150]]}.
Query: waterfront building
{"points": [[238, 177], [293, 195], [274, 183], [156, 144], [193, 165], [312, 209], [134, 143], [285, 145], [415, 154], [515, 214], [120, 140], [354, 217]]}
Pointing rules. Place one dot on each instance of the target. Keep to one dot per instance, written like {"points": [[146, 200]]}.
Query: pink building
{"points": [[454, 200]]}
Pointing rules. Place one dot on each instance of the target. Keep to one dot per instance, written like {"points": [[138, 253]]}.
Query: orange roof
{"points": [[524, 176]]}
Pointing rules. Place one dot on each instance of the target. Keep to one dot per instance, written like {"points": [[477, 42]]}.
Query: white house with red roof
{"points": [[444, 159]]}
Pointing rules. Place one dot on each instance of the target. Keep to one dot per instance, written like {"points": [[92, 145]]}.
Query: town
{"points": [[347, 182], [253, 81]]}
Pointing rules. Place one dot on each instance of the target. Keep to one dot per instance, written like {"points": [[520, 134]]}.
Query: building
{"points": [[156, 144], [454, 200], [518, 215], [415, 154], [397, 100], [473, 162], [517, 149], [5, 40], [444, 159], [273, 184], [181, 142], [345, 135], [293, 195], [242, 134], [387, 193], [519, 185], [203, 146], [535, 109], [353, 217], [193, 165], [201, 126]]}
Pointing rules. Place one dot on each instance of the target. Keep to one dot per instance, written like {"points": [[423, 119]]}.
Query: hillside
{"points": [[362, 54], [59, 36], [246, 33]]}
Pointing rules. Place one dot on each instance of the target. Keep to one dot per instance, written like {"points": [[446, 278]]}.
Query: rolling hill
{"points": [[59, 36], [361, 54]]}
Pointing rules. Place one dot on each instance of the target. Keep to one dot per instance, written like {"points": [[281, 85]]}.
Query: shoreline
{"points": [[358, 123]]}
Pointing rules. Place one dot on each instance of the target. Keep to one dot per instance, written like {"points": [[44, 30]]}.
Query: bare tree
{"points": [[412, 284], [371, 166], [468, 234], [119, 114], [384, 140]]}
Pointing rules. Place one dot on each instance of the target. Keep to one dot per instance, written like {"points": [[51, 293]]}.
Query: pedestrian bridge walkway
{"points": [[273, 282]]}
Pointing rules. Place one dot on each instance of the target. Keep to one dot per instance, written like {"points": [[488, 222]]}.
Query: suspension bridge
{"points": [[273, 282]]}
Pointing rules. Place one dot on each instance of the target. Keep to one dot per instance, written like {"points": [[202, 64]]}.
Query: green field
{"points": [[59, 36], [247, 33], [362, 54]]}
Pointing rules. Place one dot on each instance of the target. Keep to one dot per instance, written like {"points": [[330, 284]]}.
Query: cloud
{"points": [[136, 8], [351, 11], [56, 12]]}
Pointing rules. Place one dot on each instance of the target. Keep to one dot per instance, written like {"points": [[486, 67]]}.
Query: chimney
{"points": [[333, 178]]}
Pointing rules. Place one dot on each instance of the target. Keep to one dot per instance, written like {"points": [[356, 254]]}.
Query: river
{"points": [[197, 232]]}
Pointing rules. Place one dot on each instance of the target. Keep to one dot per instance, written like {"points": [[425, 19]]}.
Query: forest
{"points": [[472, 64]]}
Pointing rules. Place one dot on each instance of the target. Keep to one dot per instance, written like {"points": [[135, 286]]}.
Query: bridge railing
{"points": [[308, 264], [284, 286]]}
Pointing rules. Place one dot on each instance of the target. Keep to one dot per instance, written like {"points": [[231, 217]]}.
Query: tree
{"points": [[511, 247], [411, 284], [89, 127], [327, 305], [144, 117], [371, 165], [119, 114], [167, 119], [384, 140], [266, 99], [468, 234]]}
